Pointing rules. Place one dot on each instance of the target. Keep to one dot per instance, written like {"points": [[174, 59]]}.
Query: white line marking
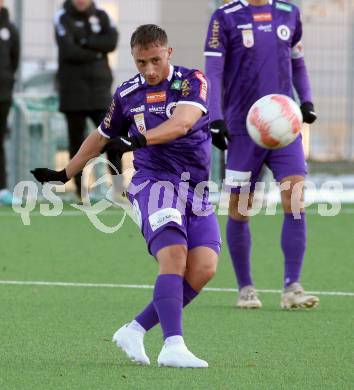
{"points": [[150, 287]]}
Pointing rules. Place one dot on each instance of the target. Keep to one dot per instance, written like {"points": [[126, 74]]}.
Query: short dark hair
{"points": [[147, 34]]}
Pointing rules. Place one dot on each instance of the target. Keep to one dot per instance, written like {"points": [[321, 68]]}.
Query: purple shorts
{"points": [[245, 160], [168, 216]]}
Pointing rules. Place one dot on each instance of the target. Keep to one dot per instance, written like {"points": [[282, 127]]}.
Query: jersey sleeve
{"points": [[216, 39], [298, 30], [194, 91], [114, 123]]}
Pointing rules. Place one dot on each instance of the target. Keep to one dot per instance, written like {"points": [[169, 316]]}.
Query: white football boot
{"points": [[174, 353], [294, 297], [131, 341], [248, 299]]}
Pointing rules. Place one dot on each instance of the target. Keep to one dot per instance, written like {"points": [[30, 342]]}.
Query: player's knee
{"points": [[293, 198], [172, 259], [207, 270]]}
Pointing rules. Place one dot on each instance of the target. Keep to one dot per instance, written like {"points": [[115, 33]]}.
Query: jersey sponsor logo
{"points": [[139, 120], [284, 32], [156, 97], [283, 7], [265, 28], [245, 26], [186, 88], [163, 217], [248, 38], [297, 51], [170, 108], [176, 85], [203, 85], [129, 90], [214, 41], [263, 17], [108, 118], [5, 34], [157, 109], [138, 109]]}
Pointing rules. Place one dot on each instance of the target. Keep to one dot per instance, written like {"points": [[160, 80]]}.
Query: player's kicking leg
{"points": [[201, 266], [293, 242], [239, 243]]}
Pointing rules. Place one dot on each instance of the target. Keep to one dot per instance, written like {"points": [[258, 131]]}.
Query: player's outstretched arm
{"points": [[90, 148], [183, 119]]}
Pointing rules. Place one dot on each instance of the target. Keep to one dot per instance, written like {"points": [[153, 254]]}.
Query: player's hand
{"points": [[121, 145], [44, 175], [219, 134], [308, 112]]}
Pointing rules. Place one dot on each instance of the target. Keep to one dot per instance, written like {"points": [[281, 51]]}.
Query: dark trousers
{"points": [[76, 121], [4, 112]]}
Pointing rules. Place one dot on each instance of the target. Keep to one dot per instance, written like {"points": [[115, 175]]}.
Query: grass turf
{"points": [[60, 337]]}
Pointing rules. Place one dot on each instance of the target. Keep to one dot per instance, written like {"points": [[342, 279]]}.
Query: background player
{"points": [[253, 49], [85, 36], [165, 110]]}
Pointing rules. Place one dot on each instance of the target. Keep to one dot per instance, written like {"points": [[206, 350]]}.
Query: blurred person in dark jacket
{"points": [[9, 58], [85, 35]]}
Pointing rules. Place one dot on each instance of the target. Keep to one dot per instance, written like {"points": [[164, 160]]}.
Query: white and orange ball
{"points": [[274, 121]]}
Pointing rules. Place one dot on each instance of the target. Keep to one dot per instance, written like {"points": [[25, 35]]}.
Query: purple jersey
{"points": [[257, 46], [138, 107]]}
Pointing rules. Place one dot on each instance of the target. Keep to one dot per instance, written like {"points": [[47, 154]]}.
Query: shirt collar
{"points": [[169, 78]]}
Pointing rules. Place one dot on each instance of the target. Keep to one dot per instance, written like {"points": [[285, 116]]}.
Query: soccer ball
{"points": [[274, 121]]}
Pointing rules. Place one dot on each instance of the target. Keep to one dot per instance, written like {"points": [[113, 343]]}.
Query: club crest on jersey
{"points": [[170, 108], [139, 120], [284, 32], [263, 17], [248, 38], [156, 97]]}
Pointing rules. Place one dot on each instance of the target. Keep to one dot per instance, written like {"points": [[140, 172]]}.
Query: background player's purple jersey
{"points": [[138, 107], [257, 45]]}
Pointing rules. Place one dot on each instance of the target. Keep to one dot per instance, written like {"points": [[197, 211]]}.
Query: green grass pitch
{"points": [[60, 337]]}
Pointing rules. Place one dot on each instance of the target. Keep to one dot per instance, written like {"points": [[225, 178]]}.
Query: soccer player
{"points": [[253, 48], [165, 110]]}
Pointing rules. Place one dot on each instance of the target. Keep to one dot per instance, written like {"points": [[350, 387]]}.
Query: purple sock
{"points": [[293, 244], [148, 318], [168, 302], [239, 242]]}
